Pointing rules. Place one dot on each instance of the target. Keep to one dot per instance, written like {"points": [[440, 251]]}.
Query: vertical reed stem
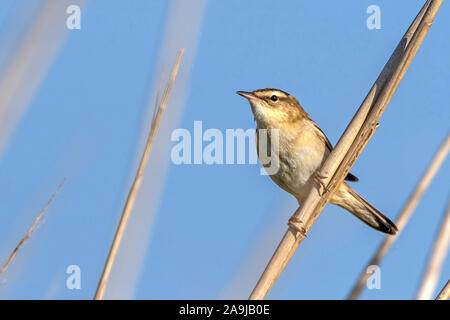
{"points": [[136, 184], [437, 257]]}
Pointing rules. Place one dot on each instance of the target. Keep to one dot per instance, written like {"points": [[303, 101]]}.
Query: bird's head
{"points": [[273, 108]]}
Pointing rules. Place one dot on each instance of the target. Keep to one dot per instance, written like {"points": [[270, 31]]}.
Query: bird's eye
{"points": [[274, 98]]}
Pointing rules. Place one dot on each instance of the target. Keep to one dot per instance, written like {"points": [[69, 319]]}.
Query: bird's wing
{"points": [[350, 177]]}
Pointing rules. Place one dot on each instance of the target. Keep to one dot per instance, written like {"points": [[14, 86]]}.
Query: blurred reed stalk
{"points": [[31, 229], [403, 217], [182, 28], [30, 61], [437, 258], [349, 147], [159, 109], [445, 292]]}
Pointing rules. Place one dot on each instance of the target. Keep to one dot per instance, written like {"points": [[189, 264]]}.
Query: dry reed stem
{"points": [[137, 182], [437, 257], [404, 215], [445, 292], [349, 147], [31, 229]]}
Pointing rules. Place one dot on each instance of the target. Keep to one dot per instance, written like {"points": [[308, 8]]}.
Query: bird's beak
{"points": [[247, 95]]}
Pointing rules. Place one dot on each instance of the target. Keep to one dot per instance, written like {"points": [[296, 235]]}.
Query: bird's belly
{"points": [[296, 170]]}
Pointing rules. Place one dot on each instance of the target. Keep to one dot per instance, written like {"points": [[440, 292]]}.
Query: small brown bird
{"points": [[302, 149]]}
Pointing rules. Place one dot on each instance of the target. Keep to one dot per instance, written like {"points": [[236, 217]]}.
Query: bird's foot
{"points": [[297, 224], [319, 179]]}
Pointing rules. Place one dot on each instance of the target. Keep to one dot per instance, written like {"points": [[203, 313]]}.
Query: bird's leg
{"points": [[319, 179]]}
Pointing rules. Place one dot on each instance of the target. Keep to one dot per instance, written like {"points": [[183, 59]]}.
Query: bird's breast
{"points": [[299, 157]]}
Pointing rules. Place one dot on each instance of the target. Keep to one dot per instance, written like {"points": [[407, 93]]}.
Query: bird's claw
{"points": [[296, 224], [319, 179]]}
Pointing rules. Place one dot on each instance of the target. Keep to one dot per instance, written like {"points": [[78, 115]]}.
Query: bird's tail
{"points": [[348, 199]]}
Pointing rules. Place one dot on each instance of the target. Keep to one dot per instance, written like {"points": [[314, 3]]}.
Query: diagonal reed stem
{"points": [[405, 214], [31, 229], [349, 147], [137, 182], [437, 257], [445, 292]]}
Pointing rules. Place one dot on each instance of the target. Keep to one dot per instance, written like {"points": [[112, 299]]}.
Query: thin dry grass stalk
{"points": [[404, 215], [437, 257], [349, 147], [31, 229], [445, 292], [160, 107]]}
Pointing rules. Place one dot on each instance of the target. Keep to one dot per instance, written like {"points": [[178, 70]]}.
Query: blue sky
{"points": [[217, 225]]}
